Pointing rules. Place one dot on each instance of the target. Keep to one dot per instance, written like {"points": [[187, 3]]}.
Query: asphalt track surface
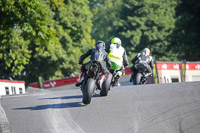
{"points": [[163, 108]]}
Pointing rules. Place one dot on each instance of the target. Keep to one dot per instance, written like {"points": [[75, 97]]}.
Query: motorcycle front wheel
{"points": [[138, 78], [88, 90]]}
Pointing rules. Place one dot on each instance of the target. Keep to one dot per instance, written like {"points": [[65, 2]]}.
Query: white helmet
{"points": [[116, 41]]}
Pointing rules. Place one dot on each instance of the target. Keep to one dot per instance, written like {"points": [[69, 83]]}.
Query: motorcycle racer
{"points": [[142, 58], [118, 57], [96, 54]]}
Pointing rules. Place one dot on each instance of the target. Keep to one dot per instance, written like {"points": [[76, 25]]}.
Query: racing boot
{"points": [[81, 80], [116, 82]]}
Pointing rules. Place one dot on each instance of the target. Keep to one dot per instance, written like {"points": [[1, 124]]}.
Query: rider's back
{"points": [[116, 54], [98, 54]]}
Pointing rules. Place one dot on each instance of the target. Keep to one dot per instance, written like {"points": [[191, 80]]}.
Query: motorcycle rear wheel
{"points": [[88, 90], [106, 86]]}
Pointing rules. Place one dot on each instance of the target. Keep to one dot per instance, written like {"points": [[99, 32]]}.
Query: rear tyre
{"points": [[88, 90], [138, 78], [106, 86]]}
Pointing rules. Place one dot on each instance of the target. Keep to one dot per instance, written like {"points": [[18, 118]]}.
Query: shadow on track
{"points": [[65, 97], [59, 105], [68, 97], [52, 106]]}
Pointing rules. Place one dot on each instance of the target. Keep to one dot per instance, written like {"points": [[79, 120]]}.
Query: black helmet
{"points": [[100, 43]]}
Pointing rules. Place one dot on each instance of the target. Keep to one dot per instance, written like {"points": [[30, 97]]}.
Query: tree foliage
{"points": [[148, 24], [169, 28], [106, 14], [43, 37], [139, 23], [23, 23], [185, 38]]}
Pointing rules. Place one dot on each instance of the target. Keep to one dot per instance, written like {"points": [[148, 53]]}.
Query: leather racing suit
{"points": [[144, 59]]}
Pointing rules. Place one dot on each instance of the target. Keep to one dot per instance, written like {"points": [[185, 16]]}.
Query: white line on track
{"points": [[61, 122], [4, 124]]}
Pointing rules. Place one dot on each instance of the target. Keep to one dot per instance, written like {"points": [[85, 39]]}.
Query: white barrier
{"points": [[8, 87]]}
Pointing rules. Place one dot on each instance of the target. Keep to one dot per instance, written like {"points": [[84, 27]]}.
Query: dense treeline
{"points": [[170, 28], [48, 36], [185, 40], [43, 37]]}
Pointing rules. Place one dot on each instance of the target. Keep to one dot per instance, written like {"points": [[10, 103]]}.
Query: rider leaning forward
{"points": [[118, 57], [143, 58], [96, 54]]}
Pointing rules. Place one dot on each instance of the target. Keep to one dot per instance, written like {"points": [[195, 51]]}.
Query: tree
{"points": [[24, 25], [45, 37], [106, 15], [74, 27], [137, 23], [185, 38], [148, 23]]}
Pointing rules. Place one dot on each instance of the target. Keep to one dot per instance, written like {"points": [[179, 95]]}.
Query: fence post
{"points": [[155, 73], [183, 70], [40, 81]]}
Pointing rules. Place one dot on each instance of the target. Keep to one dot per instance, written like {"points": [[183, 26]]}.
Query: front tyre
{"points": [[88, 90], [106, 86], [138, 78]]}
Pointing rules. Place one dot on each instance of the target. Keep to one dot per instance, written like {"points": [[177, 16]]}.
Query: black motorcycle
{"points": [[141, 76], [94, 80]]}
